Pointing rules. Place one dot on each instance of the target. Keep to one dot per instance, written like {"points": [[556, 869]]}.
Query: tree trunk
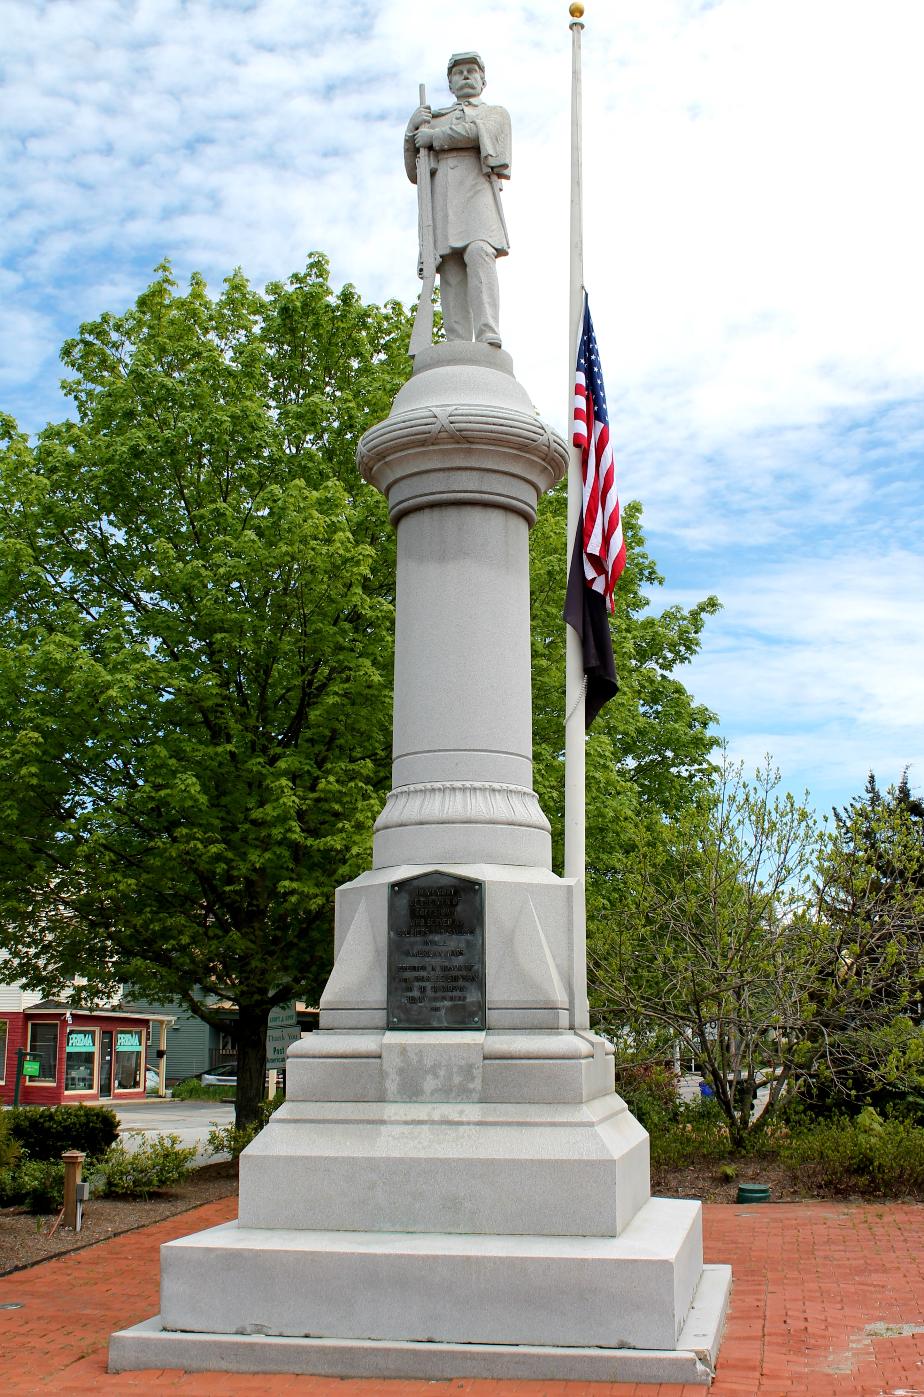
{"points": [[251, 1062]]}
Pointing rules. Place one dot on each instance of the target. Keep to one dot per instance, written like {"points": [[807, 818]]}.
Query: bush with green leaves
{"points": [[10, 1148], [697, 1134], [821, 1098], [193, 1090], [37, 1184], [45, 1132], [682, 1132], [232, 1139], [866, 1155], [650, 1092], [154, 1163]]}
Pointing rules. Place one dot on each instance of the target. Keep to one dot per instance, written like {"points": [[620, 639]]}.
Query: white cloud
{"points": [[820, 664]]}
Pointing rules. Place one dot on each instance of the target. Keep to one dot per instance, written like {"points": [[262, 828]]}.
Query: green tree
{"points": [[709, 944], [778, 953], [650, 748], [195, 657], [867, 1038]]}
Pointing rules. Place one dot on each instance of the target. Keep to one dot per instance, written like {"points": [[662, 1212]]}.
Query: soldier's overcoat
{"points": [[471, 143]]}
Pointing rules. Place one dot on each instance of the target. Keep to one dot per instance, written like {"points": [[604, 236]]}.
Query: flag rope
{"points": [[579, 700]]}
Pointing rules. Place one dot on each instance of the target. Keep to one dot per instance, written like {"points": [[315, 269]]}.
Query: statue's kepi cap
{"points": [[470, 57]]}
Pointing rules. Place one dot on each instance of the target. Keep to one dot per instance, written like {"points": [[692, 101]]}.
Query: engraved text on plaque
{"points": [[436, 953]]}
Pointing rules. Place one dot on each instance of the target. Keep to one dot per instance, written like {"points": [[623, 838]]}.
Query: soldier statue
{"points": [[467, 149]]}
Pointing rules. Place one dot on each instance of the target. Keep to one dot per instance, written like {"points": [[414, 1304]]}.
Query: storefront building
{"points": [[77, 1055]]}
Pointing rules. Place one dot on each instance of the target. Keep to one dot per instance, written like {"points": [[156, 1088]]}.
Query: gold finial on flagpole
{"points": [[576, 11]]}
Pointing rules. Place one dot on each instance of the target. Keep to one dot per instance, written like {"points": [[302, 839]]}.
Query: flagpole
{"points": [[574, 663]]}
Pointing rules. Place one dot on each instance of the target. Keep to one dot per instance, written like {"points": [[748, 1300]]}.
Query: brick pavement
{"points": [[828, 1301]]}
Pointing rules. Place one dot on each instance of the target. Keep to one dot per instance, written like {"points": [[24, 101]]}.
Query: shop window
{"points": [[4, 1036], [80, 1060], [128, 1059], [43, 1044]]}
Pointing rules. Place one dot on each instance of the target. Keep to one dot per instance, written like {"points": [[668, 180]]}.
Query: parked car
{"points": [[151, 1079], [224, 1075]]}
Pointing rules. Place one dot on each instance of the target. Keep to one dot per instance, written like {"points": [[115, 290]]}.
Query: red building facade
{"points": [[84, 1055]]}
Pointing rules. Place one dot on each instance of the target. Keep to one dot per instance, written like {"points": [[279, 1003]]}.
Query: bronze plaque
{"points": [[436, 952]]}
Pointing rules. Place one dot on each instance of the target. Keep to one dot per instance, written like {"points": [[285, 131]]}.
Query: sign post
{"points": [[281, 1031], [73, 1164], [26, 1066]]}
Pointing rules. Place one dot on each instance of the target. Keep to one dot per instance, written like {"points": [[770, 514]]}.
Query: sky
{"points": [[754, 226]]}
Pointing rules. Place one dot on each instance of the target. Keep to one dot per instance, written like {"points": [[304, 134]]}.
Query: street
{"points": [[190, 1120]]}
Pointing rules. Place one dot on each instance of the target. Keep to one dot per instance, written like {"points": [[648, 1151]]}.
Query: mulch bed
{"points": [[705, 1181], [25, 1238]]}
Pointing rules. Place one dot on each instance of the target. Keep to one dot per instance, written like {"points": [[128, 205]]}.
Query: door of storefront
{"points": [[105, 1064]]}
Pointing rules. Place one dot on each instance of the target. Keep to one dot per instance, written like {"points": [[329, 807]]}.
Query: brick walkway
{"points": [[828, 1301]]}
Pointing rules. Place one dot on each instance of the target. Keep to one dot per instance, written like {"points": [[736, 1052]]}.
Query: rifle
{"points": [[422, 333]]}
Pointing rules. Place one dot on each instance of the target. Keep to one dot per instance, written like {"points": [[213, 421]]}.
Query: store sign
{"points": [[31, 1067], [128, 1042], [80, 1041], [281, 1030]]}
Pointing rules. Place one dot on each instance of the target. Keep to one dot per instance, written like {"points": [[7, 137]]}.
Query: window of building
{"points": [[80, 1060], [43, 1044], [128, 1059], [4, 1038]]}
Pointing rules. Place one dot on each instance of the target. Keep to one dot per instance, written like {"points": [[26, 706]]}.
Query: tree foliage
{"points": [[196, 596], [867, 1037], [195, 658], [707, 944], [650, 748], [781, 955]]}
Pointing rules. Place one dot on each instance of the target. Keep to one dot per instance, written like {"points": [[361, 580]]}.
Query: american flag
{"points": [[604, 546], [599, 553]]}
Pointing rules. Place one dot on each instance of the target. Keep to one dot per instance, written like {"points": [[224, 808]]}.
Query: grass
{"points": [[193, 1090]]}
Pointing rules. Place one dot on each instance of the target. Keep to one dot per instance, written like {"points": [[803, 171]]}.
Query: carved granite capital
{"points": [[463, 803], [462, 454]]}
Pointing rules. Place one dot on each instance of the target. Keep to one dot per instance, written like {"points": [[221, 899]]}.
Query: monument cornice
{"points": [[427, 456]]}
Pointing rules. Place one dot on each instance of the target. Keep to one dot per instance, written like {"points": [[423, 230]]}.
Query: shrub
{"points": [[229, 1139], [866, 1155], [697, 1135], [37, 1183], [10, 1148], [650, 1093], [45, 1132], [156, 1163], [822, 1099], [193, 1090], [908, 1105], [682, 1132]]}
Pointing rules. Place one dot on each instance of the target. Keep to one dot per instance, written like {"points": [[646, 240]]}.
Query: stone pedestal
{"points": [[452, 1203]]}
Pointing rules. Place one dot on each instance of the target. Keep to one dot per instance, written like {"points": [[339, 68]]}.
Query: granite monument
{"points": [[453, 1187]]}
